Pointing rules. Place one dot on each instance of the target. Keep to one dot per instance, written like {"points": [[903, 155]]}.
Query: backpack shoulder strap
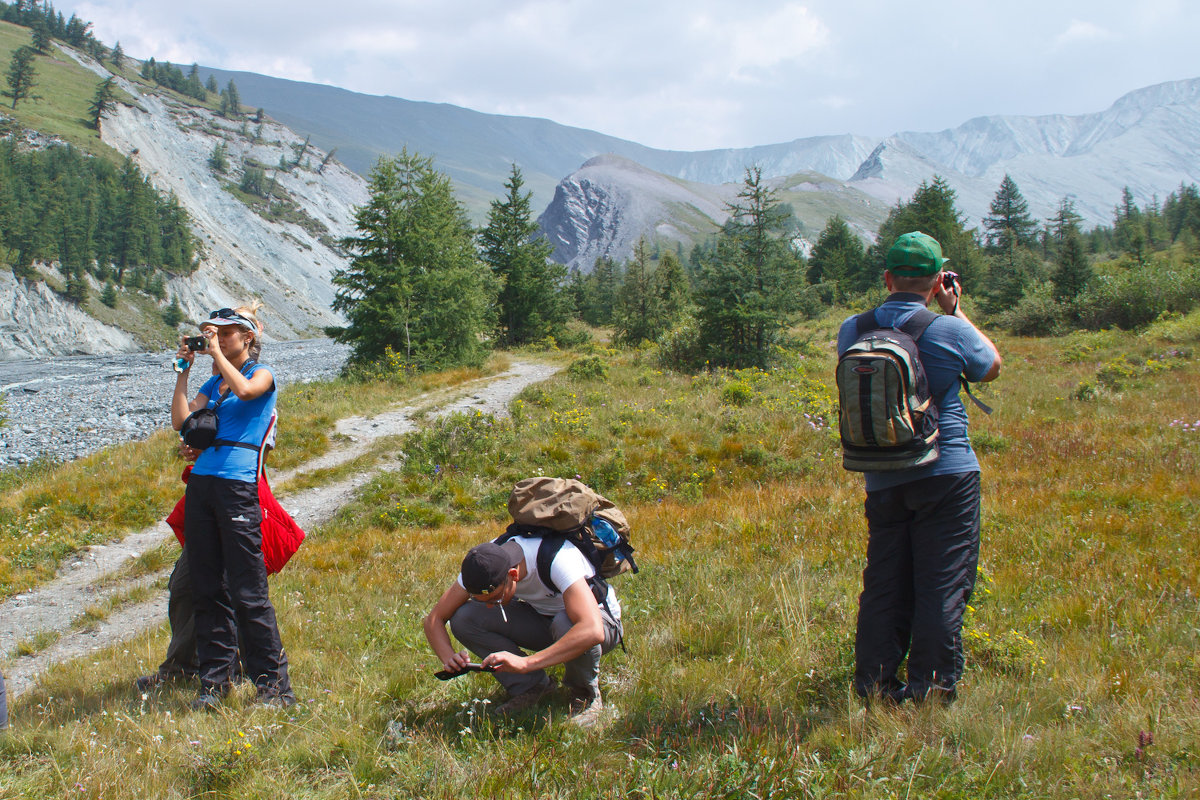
{"points": [[866, 321], [915, 325], [546, 553]]}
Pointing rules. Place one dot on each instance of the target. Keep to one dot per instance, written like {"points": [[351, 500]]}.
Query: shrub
{"points": [[1036, 314], [736, 393], [588, 368], [1134, 297], [680, 350]]}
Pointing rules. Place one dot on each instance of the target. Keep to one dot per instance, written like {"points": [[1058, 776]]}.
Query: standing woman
{"points": [[222, 515]]}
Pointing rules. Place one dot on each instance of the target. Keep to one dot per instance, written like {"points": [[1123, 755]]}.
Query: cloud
{"points": [[1081, 31]]}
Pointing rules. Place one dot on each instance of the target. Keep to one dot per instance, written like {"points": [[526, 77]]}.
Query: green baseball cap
{"points": [[915, 254]]}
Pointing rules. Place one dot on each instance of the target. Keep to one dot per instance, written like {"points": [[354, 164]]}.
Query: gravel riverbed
{"points": [[67, 407]]}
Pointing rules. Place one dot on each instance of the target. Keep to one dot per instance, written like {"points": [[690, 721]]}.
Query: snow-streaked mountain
{"points": [[604, 207]]}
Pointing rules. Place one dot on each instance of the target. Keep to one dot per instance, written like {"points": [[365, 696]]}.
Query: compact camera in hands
{"points": [[949, 280], [196, 343]]}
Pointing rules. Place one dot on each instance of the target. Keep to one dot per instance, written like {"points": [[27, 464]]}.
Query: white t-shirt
{"points": [[569, 565]]}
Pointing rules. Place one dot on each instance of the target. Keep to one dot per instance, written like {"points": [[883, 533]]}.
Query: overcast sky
{"points": [[689, 74]]}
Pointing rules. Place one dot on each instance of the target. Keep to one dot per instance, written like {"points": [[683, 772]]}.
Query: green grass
{"points": [[66, 90], [1081, 641]]}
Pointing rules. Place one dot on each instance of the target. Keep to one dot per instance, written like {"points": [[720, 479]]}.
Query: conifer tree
{"points": [[1064, 222], [41, 38], [173, 314], [218, 160], [21, 73], [117, 57], [531, 305], [1008, 223], [109, 295], [102, 102], [414, 285], [211, 84], [747, 294], [640, 314], [838, 258], [231, 101], [673, 288], [1073, 273]]}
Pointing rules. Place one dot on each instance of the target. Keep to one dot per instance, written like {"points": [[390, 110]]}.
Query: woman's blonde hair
{"points": [[250, 312]]}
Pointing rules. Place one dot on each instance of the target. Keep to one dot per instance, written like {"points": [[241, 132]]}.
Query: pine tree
{"points": [[673, 288], [211, 84], [117, 57], [109, 295], [218, 160], [639, 315], [254, 181], [1129, 229], [599, 292], [41, 38], [1074, 272], [77, 288], [173, 314], [102, 102], [1008, 223], [531, 306], [747, 294], [414, 285], [838, 258], [231, 101], [1064, 223], [21, 73]]}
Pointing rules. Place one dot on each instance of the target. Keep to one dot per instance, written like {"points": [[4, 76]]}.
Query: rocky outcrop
{"points": [[604, 207], [288, 263], [37, 321]]}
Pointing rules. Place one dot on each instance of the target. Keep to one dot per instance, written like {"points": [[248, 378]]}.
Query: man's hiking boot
{"points": [[210, 698], [525, 700], [155, 679], [148, 682], [587, 708], [271, 698]]}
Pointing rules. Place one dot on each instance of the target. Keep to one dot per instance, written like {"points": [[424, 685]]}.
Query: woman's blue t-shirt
{"points": [[949, 348], [237, 421]]}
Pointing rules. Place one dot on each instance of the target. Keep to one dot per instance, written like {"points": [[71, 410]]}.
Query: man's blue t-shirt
{"points": [[949, 348], [238, 421]]}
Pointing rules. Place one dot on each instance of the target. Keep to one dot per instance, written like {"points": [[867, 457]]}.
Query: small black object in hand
{"points": [[196, 343], [445, 674]]}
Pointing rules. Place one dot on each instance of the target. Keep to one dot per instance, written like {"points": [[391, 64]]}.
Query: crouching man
{"points": [[499, 608]]}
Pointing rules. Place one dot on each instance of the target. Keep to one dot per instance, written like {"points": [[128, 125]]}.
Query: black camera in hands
{"points": [[196, 343], [950, 281]]}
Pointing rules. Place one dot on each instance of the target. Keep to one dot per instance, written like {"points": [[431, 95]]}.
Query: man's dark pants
{"points": [[181, 611], [922, 555], [222, 519]]}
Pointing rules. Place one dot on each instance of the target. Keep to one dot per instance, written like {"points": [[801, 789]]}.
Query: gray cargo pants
{"points": [[483, 631]]}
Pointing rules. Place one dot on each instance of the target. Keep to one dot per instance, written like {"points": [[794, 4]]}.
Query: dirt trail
{"points": [[91, 577]]}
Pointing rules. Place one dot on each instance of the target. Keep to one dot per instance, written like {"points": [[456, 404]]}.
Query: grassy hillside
{"points": [[65, 89], [1082, 678]]}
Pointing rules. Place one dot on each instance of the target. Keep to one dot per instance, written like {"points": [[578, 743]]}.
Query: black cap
{"points": [[485, 569]]}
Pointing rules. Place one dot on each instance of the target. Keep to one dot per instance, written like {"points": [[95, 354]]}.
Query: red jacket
{"points": [[281, 536]]}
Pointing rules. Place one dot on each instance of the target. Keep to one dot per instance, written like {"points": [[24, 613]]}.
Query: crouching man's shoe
{"points": [[587, 708], [528, 699]]}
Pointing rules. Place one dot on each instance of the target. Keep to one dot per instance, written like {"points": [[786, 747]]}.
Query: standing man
{"points": [[923, 522], [499, 607]]}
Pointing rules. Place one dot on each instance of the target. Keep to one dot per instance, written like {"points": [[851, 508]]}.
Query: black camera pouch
{"points": [[199, 430]]}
